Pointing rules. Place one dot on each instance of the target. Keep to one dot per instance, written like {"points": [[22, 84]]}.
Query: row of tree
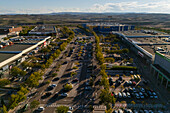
{"points": [[33, 79], [125, 50], [106, 97], [99, 54]]}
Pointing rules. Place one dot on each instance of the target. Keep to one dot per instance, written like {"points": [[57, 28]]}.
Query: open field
{"points": [[147, 20]]}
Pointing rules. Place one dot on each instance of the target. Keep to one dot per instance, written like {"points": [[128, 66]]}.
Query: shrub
{"points": [[54, 74], [68, 87], [4, 82], [133, 102]]}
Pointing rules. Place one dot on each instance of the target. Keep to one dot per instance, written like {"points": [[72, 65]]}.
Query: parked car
{"points": [[145, 95], [141, 95], [53, 85], [142, 90], [154, 95], [40, 109], [64, 94], [56, 79], [134, 83], [65, 62], [71, 108], [150, 111], [46, 95], [120, 78], [146, 111], [134, 90], [124, 95], [120, 111], [75, 80], [120, 95], [135, 111], [141, 111], [115, 111], [137, 95], [88, 88], [128, 95], [150, 94], [55, 96]]}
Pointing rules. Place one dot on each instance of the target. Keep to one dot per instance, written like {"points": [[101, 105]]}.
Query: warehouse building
{"points": [[43, 30], [161, 68], [17, 50], [108, 27], [10, 30]]}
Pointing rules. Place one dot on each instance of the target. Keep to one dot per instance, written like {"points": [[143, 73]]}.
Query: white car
{"points": [[64, 94], [71, 108], [124, 95], [40, 109], [53, 85], [128, 95], [120, 95], [88, 88]]}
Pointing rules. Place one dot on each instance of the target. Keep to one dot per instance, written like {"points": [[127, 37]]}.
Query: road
{"points": [[77, 96]]}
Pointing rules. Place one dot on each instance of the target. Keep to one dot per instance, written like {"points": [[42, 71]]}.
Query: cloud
{"points": [[136, 6], [157, 7]]}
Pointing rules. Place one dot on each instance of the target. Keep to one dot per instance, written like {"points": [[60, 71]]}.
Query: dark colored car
{"points": [[50, 88], [55, 96], [56, 79], [75, 80], [46, 95], [65, 62]]}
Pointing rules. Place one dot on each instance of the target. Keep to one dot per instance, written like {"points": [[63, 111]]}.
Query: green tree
{"points": [[45, 50], [32, 81], [2, 101], [4, 82], [4, 109], [62, 109], [104, 82], [34, 104], [106, 97], [43, 66], [131, 60], [91, 82], [125, 50], [68, 87], [15, 71], [54, 74]]}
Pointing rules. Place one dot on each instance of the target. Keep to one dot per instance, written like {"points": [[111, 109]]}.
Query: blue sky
{"points": [[50, 6]]}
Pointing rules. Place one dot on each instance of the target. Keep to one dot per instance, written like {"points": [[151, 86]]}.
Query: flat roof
{"points": [[27, 42], [15, 47], [149, 40], [142, 33], [4, 56], [106, 24], [43, 28], [151, 44]]}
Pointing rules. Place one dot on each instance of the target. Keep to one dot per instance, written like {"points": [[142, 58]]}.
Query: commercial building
{"points": [[152, 49], [108, 27], [161, 68], [17, 50], [145, 44], [43, 30], [10, 30]]}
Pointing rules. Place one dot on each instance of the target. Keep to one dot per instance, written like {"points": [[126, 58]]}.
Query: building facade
{"points": [[108, 27], [161, 68]]}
